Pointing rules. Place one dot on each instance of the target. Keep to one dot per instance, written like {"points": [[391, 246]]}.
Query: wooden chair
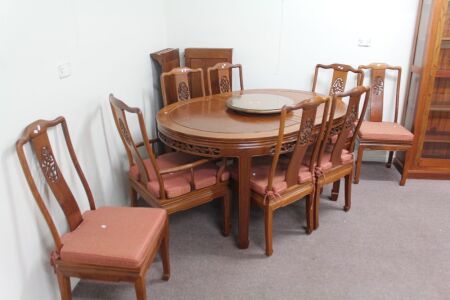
{"points": [[281, 180], [182, 83], [175, 181], [339, 79], [336, 159], [108, 243], [376, 134], [338, 83], [219, 78]]}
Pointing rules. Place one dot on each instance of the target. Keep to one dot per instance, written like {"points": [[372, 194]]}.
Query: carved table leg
{"points": [[245, 161]]}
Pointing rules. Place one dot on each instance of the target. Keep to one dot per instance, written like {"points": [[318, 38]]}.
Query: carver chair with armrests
{"points": [[376, 134], [107, 243], [181, 83], [336, 158], [283, 179], [219, 78], [175, 181]]}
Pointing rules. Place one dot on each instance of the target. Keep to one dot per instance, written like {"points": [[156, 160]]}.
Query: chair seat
{"points": [[260, 175], [179, 183], [346, 158], [114, 236], [385, 132]]}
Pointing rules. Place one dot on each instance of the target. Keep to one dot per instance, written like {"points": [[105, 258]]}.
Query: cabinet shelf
{"points": [[443, 74], [437, 138], [440, 107]]}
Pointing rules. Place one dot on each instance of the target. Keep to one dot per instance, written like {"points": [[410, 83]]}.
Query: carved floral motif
{"points": [[202, 150], [306, 132], [378, 86], [337, 86], [125, 133], [351, 118], [285, 147], [224, 84], [183, 91], [48, 165]]}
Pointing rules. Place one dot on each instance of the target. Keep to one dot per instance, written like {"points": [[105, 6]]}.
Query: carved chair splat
{"points": [[182, 79], [72, 257], [222, 71], [339, 79]]}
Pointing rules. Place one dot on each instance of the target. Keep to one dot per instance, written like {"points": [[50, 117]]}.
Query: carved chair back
{"points": [[119, 110], [348, 125], [219, 78], [36, 135], [339, 79], [183, 84], [305, 138], [377, 88]]}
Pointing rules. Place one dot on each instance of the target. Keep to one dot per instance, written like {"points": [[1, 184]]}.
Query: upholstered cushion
{"points": [[179, 183], [114, 236], [260, 175], [384, 131], [346, 158], [334, 137]]}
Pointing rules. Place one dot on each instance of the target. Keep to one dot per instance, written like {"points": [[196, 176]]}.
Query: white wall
{"points": [[108, 42], [279, 42]]}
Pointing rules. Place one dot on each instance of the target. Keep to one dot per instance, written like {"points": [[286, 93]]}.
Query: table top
{"points": [[210, 118]]}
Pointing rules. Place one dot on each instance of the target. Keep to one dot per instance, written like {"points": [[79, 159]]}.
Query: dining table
{"points": [[208, 127]]}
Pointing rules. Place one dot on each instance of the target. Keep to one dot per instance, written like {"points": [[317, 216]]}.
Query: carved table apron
{"points": [[206, 127]]}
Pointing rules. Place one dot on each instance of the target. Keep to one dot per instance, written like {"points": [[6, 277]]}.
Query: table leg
{"points": [[245, 161]]}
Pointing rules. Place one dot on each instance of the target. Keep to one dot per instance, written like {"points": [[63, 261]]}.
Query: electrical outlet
{"points": [[364, 42], [64, 70]]}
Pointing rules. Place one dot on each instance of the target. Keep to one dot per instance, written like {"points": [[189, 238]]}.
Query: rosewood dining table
{"points": [[204, 126]]}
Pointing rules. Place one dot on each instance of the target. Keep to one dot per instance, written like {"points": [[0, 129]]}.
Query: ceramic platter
{"points": [[259, 103]]}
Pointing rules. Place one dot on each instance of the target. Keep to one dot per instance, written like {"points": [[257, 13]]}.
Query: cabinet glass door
{"points": [[437, 135]]}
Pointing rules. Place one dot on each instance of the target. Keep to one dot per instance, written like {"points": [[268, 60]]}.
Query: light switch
{"points": [[64, 70]]}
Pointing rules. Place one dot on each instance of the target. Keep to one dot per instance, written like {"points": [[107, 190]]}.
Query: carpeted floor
{"points": [[393, 244]]}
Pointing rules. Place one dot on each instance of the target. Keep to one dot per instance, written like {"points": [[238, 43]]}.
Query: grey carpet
{"points": [[393, 244]]}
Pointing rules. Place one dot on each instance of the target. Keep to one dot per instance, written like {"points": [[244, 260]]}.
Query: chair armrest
{"points": [[185, 167], [151, 141]]}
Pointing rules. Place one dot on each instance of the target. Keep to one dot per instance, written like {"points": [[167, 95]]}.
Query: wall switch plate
{"points": [[364, 42], [64, 70]]}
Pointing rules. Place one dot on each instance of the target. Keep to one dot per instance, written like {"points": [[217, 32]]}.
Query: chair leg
{"points": [[390, 157], [348, 191], [64, 287], [358, 163], [335, 190], [226, 210], [316, 204], [405, 167], [133, 196], [310, 213], [268, 217], [141, 289], [164, 252]]}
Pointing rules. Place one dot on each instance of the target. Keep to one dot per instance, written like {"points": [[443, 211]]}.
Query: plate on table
{"points": [[259, 103]]}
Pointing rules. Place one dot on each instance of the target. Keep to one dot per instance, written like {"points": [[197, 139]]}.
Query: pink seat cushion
{"points": [[179, 183], [335, 137], [384, 131], [260, 175], [346, 158], [114, 236]]}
